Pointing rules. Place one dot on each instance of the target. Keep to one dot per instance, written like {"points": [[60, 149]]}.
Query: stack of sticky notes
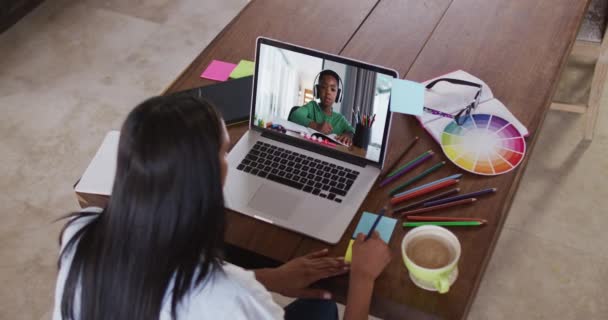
{"points": [[218, 70], [221, 70], [385, 228], [243, 69], [407, 97]]}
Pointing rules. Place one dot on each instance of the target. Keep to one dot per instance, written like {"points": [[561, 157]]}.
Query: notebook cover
{"points": [[232, 98]]}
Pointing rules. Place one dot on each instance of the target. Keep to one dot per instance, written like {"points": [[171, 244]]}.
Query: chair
{"points": [[291, 111], [591, 42]]}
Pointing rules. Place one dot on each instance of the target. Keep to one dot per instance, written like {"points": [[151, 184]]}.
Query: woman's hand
{"points": [[370, 257], [293, 278]]}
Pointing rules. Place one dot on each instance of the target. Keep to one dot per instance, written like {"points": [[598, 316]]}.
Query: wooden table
{"points": [[518, 47]]}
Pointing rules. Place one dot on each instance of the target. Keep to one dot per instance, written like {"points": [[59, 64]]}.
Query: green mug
{"points": [[441, 255]]}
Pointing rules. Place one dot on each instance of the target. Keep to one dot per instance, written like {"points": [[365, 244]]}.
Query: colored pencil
{"points": [[396, 171], [371, 230], [407, 169], [426, 218], [396, 163], [431, 198], [444, 223], [424, 191], [460, 197], [439, 207], [418, 177], [452, 177]]}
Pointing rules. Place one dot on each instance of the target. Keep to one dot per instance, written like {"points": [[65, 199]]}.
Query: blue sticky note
{"points": [[385, 226], [407, 97]]}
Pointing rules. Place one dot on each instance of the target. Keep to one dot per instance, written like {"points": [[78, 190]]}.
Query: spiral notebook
{"points": [[451, 98]]}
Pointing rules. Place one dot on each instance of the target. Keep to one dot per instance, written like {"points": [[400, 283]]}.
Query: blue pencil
{"points": [[459, 197], [454, 176], [371, 230]]}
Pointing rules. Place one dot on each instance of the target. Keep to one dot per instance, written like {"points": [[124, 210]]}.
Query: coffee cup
{"points": [[431, 255]]}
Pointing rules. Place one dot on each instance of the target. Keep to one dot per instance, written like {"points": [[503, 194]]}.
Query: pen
{"points": [[371, 231]]}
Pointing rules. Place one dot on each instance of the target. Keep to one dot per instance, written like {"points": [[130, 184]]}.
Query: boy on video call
{"points": [[320, 116]]}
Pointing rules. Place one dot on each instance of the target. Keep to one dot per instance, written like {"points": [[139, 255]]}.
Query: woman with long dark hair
{"points": [[155, 251]]}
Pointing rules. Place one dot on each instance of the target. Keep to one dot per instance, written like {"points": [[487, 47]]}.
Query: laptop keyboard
{"points": [[321, 178]]}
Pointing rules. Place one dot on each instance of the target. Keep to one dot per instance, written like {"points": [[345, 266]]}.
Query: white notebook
{"points": [[451, 98], [289, 125]]}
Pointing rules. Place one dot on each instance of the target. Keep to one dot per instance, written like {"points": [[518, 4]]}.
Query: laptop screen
{"points": [[330, 101]]}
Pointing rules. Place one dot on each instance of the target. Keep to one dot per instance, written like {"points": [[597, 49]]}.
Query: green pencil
{"points": [[444, 223], [418, 177], [407, 164]]}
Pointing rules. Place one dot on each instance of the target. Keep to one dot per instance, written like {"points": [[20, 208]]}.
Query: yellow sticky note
{"points": [[348, 256], [243, 69]]}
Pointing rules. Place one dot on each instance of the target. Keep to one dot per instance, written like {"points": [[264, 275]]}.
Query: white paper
{"points": [[98, 178]]}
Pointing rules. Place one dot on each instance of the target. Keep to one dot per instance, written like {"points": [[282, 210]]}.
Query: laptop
{"points": [[296, 174]]}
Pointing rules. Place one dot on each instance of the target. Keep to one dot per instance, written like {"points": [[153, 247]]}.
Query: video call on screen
{"points": [[302, 95]]}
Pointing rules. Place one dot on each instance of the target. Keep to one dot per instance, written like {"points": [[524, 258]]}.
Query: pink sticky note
{"points": [[218, 70]]}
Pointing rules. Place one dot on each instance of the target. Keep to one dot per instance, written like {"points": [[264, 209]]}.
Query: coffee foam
{"points": [[431, 252]]}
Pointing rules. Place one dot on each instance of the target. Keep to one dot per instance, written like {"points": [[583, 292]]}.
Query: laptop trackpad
{"points": [[274, 201]]}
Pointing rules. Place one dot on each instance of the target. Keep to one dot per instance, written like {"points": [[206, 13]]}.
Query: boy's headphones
{"points": [[328, 73]]}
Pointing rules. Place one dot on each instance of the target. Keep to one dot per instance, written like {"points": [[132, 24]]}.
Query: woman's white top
{"points": [[232, 294]]}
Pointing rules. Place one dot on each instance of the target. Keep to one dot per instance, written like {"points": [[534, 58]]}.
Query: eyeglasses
{"points": [[461, 117]]}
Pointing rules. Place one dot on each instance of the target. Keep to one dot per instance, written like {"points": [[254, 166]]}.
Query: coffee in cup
{"points": [[431, 254]]}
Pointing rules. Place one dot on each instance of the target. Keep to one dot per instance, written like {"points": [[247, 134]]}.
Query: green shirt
{"points": [[313, 112]]}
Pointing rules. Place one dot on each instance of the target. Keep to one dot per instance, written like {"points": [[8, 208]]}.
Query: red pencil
{"points": [[424, 218], [424, 191]]}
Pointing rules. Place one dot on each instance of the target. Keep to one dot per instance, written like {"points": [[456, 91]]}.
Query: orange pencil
{"points": [[425, 218], [439, 206], [424, 191]]}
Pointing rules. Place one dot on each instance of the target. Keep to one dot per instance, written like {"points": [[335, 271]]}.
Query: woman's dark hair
{"points": [[164, 221]]}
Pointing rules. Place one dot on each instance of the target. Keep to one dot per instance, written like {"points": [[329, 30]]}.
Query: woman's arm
{"points": [[370, 257], [359, 297], [293, 278]]}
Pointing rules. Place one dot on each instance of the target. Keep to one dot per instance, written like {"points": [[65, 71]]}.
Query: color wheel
{"points": [[485, 144]]}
